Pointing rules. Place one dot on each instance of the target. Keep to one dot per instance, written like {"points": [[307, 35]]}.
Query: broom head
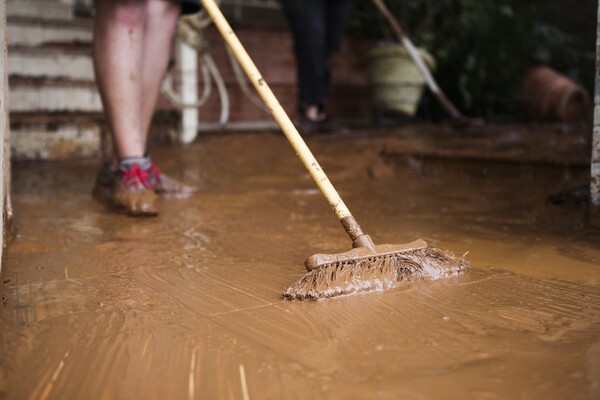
{"points": [[362, 270]]}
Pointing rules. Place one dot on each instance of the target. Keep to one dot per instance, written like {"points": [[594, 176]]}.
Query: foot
{"points": [[163, 183], [103, 188], [313, 113], [314, 119], [133, 188]]}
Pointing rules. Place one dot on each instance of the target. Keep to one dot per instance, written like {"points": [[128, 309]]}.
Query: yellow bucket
{"points": [[395, 81]]}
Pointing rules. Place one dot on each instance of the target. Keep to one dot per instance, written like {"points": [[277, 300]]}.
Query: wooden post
{"points": [[4, 136], [595, 181]]}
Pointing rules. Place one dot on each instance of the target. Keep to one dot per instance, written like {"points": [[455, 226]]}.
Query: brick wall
{"points": [[272, 51]]}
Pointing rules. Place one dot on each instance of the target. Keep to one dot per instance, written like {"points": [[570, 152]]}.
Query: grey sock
{"points": [[126, 163]]}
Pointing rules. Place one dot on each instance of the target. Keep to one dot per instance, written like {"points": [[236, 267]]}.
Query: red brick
{"points": [[272, 51]]}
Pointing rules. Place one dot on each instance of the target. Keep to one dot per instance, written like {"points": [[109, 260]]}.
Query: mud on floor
{"points": [[187, 305]]}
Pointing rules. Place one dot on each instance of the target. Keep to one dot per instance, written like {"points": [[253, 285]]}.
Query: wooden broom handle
{"points": [[286, 125]]}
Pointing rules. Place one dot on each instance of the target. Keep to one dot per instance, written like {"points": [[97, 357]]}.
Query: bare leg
{"points": [[132, 46], [118, 50], [161, 22], [132, 42], [159, 32]]}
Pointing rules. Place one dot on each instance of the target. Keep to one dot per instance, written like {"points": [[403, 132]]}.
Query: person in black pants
{"points": [[318, 27]]}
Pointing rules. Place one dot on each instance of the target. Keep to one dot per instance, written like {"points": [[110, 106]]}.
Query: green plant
{"points": [[482, 47]]}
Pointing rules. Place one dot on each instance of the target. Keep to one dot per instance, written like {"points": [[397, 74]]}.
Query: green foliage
{"points": [[491, 45], [482, 47]]}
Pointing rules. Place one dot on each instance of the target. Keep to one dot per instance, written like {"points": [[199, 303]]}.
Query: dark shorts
{"points": [[190, 6]]}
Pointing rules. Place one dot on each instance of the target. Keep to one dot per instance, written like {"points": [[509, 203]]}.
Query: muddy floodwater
{"points": [[188, 305]]}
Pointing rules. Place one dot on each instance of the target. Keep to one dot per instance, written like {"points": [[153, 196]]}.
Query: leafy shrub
{"points": [[483, 47]]}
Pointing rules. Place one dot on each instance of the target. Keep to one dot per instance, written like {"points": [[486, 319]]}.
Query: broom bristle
{"points": [[375, 274]]}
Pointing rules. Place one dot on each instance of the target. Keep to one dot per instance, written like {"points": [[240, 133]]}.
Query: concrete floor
{"points": [[188, 304]]}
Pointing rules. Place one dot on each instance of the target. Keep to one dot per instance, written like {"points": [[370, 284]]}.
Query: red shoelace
{"points": [[137, 177]]}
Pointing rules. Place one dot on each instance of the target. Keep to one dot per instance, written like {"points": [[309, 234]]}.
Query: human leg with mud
{"points": [[132, 45]]}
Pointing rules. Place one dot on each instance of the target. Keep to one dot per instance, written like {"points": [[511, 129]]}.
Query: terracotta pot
{"points": [[550, 95]]}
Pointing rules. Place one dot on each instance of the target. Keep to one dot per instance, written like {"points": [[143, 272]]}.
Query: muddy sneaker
{"points": [[133, 187], [164, 184], [103, 188]]}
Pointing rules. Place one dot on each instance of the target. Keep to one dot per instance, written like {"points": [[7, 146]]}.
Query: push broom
{"points": [[366, 267]]}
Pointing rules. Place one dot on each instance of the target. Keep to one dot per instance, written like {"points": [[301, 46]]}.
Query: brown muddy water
{"points": [[188, 304]]}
